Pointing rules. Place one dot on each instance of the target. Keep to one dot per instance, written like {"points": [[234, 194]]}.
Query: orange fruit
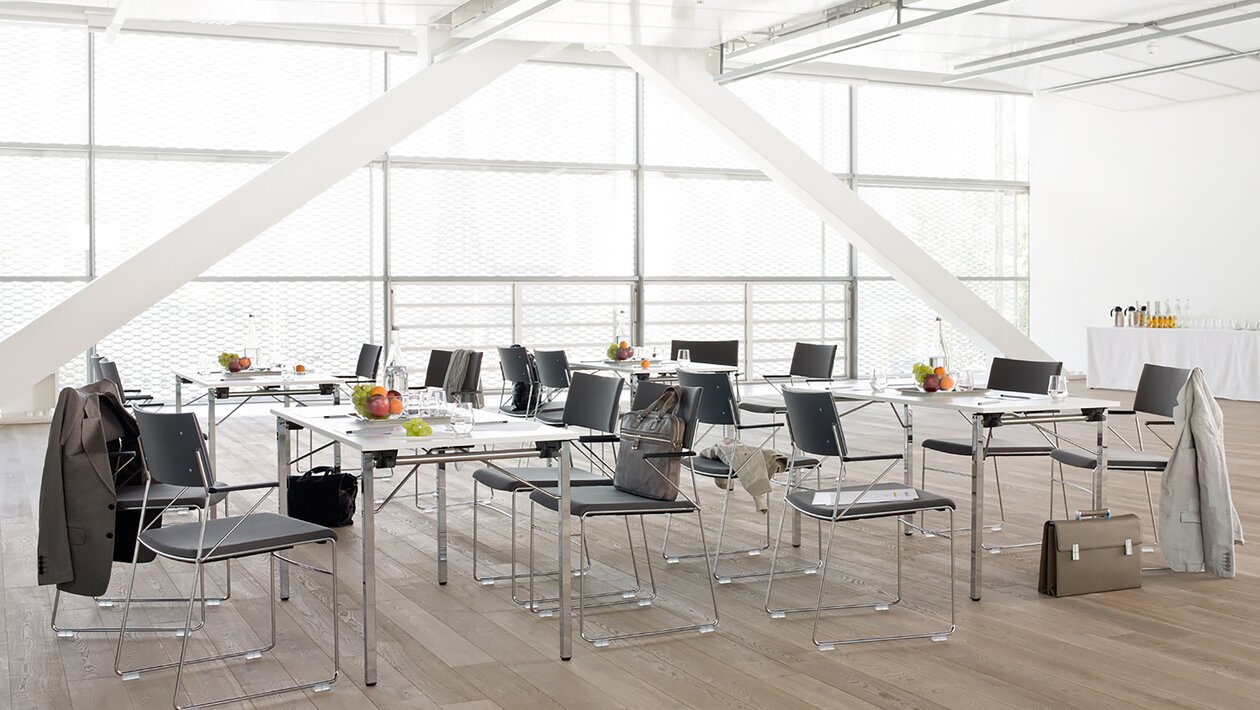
{"points": [[947, 383], [645, 363], [300, 368], [940, 372], [623, 344], [395, 405], [377, 390]]}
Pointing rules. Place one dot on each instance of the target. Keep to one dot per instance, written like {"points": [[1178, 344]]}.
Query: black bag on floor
{"points": [[324, 496]]}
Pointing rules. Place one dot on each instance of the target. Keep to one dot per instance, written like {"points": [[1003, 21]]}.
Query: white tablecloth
{"points": [[1230, 358]]}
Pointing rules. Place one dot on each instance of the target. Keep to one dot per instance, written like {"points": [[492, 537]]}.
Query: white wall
{"points": [[1160, 203]]}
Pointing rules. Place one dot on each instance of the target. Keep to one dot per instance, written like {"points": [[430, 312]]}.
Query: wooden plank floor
{"points": [[1180, 641]]}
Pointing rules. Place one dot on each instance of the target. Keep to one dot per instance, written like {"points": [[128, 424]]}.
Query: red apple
{"points": [[392, 394], [378, 406], [234, 365], [931, 383]]}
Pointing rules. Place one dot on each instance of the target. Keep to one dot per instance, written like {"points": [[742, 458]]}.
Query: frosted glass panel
{"points": [[195, 92], [43, 84], [511, 223], [535, 112], [43, 215], [578, 318]]}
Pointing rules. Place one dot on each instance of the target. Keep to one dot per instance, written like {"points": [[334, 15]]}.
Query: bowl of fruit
{"points": [[231, 362], [620, 352], [929, 379], [375, 403]]}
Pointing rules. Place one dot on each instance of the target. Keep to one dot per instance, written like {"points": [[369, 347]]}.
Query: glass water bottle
{"points": [[396, 364]]}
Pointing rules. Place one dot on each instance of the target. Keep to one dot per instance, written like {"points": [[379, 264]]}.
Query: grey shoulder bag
{"points": [[654, 430]]}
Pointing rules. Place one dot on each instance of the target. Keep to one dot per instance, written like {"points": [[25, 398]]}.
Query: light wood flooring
{"points": [[1180, 641]]}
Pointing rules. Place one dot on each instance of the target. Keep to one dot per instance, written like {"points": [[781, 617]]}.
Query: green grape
{"points": [[417, 427]]}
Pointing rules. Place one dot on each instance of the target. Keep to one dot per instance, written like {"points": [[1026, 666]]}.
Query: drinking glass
{"points": [[684, 357], [286, 371], [879, 380], [413, 404], [963, 381], [462, 418], [1058, 388]]}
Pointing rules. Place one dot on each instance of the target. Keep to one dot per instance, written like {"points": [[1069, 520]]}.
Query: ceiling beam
{"points": [[1153, 71], [682, 75], [491, 33], [110, 301], [886, 33]]}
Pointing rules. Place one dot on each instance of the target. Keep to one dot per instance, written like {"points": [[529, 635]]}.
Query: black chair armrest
{"points": [[767, 425], [776, 377], [1120, 411], [874, 457], [1161, 422], [220, 488], [670, 455], [599, 438]]}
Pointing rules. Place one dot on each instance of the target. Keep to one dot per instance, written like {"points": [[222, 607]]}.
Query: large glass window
{"points": [[514, 217]]}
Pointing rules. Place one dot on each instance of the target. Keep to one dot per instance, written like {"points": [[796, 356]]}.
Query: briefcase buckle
{"points": [[1076, 552]]}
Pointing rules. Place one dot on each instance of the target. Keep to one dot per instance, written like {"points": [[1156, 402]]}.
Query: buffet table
{"points": [[1230, 358]]}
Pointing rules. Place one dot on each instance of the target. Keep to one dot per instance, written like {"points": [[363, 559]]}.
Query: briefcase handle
{"points": [[1104, 513]]}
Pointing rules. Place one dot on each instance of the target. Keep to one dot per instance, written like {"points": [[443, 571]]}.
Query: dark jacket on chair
{"points": [[77, 497]]}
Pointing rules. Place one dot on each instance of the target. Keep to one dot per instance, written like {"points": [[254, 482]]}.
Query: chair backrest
{"points": [[688, 408], [109, 371], [369, 362], [439, 363], [174, 450], [1158, 388], [553, 368], [515, 363], [712, 352], [813, 422], [594, 401], [1030, 376], [813, 360], [472, 373], [719, 405]]}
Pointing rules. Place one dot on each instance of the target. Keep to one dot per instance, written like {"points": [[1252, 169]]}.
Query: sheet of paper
{"points": [[875, 495]]}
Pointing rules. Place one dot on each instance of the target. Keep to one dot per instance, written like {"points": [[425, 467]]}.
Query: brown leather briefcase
{"points": [[1094, 553]]}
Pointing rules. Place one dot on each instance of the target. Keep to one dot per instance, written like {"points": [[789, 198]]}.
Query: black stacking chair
{"points": [[129, 397], [176, 453], [440, 363], [127, 469], [553, 379], [368, 365], [815, 428], [1156, 396], [1005, 375], [518, 371], [711, 352], [608, 500], [593, 403], [811, 362], [720, 407]]}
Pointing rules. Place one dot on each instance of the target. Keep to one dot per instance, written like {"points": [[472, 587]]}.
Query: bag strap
{"points": [[667, 402]]}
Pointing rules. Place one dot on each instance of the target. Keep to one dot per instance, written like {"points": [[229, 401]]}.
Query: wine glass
{"points": [[684, 357], [963, 381], [286, 371], [1058, 389], [462, 418], [879, 380], [413, 404]]}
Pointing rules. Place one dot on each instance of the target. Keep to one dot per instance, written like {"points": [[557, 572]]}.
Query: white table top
{"points": [[974, 402], [660, 367], [213, 380], [339, 424]]}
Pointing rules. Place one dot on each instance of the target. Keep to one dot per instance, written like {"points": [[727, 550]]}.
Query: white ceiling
{"points": [[938, 50]]}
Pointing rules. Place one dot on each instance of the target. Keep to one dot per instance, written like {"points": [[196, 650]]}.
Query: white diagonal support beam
{"points": [[682, 75], [109, 302]]}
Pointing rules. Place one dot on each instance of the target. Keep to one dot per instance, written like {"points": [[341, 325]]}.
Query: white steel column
{"points": [[113, 299], [682, 74]]}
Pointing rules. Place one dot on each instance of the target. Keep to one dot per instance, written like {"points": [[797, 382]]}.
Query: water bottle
{"points": [[396, 364]]}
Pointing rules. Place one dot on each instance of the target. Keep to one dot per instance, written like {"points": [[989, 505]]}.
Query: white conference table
{"points": [[634, 370], [986, 409], [382, 445], [247, 385], [1230, 358]]}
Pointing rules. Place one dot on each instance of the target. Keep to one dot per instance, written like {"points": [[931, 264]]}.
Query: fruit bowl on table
{"points": [[932, 380], [376, 404]]}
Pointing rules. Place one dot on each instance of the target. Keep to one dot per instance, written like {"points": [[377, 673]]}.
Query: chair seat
{"points": [[131, 497], [552, 414], [538, 476], [606, 500], [258, 533], [715, 468], [1116, 458], [769, 404], [997, 447], [803, 500]]}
